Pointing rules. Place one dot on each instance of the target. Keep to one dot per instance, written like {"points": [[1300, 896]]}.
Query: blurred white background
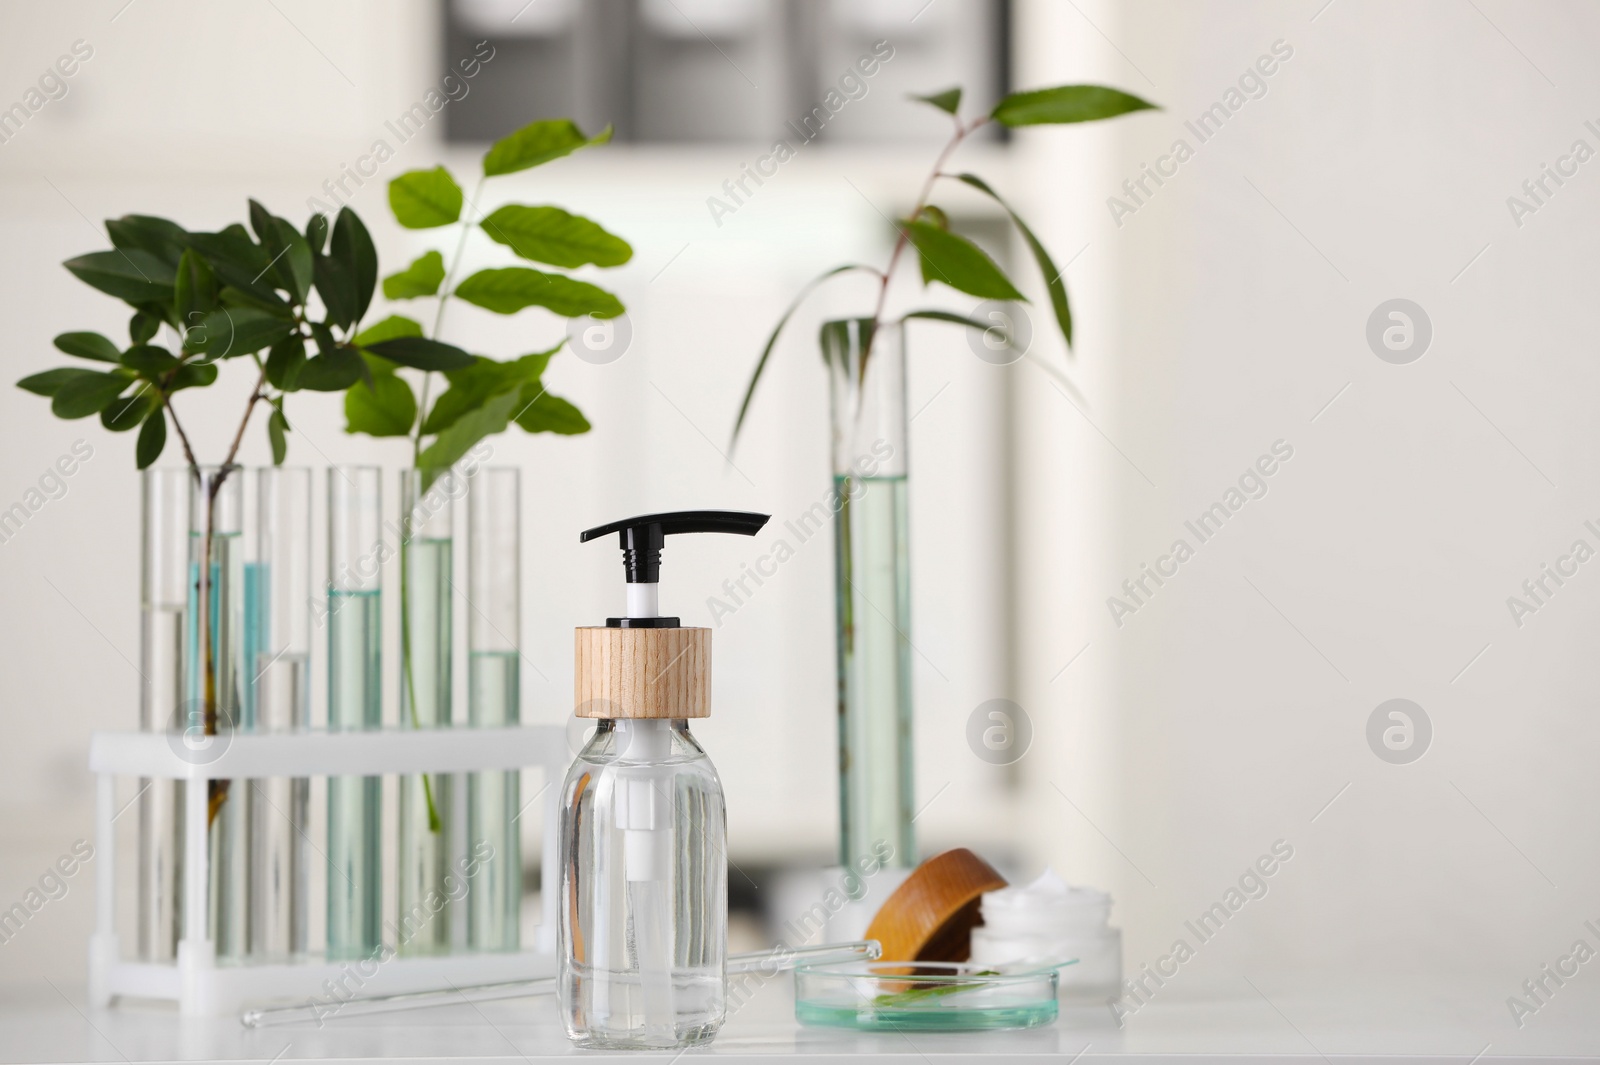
{"points": [[1225, 310]]}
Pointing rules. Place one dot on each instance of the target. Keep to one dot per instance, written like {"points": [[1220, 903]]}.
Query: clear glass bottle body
{"points": [[872, 572], [494, 582], [644, 890]]}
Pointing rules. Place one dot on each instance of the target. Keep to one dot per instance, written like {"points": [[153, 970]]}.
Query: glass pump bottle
{"points": [[643, 911]]}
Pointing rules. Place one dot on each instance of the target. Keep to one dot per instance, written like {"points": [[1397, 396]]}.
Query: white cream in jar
{"points": [[1049, 920]]}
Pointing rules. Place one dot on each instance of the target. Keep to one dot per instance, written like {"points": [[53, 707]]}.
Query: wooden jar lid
{"points": [[643, 673], [930, 916]]}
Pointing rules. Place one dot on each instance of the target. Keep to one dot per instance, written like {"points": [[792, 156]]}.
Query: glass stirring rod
{"points": [[769, 962]]}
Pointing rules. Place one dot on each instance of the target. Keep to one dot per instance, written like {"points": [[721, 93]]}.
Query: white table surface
{"points": [[1264, 1021]]}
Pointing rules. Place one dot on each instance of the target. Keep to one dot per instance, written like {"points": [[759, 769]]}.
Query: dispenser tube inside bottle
{"points": [[645, 814]]}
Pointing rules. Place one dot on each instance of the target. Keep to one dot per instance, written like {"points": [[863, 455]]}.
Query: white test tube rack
{"points": [[194, 980]]}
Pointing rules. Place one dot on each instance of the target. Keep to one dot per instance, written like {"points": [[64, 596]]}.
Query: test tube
{"points": [[164, 534], [355, 701], [217, 682], [494, 582], [281, 674], [427, 828]]}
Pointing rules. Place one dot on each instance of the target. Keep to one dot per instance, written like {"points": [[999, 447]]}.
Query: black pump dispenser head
{"points": [[641, 539]]}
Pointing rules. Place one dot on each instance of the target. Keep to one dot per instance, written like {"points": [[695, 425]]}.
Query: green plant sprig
{"points": [[225, 295], [484, 396], [952, 259]]}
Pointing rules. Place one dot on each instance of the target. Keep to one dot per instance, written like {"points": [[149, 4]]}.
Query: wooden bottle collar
{"points": [[642, 673]]}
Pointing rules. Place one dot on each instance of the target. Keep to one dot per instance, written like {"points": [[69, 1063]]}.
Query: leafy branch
{"points": [[482, 396], [947, 257], [224, 296]]}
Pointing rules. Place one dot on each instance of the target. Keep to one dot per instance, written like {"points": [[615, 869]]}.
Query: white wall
{"points": [[1228, 711]]}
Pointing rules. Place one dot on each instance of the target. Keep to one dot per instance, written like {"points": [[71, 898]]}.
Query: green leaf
{"points": [[192, 375], [551, 235], [385, 407], [158, 236], [228, 296], [337, 287], [334, 371], [234, 331], [1052, 277], [544, 413], [83, 396], [948, 101], [285, 361], [1066, 103], [393, 326], [128, 412], [277, 427], [132, 275], [947, 316], [324, 338], [335, 357], [50, 382], [935, 215], [143, 325], [472, 386], [241, 263], [423, 199], [959, 263], [838, 337], [772, 341], [152, 439], [420, 353], [274, 304], [260, 220], [922, 992], [421, 278], [510, 289], [317, 232], [352, 246], [148, 360], [536, 144], [88, 346], [450, 446], [291, 258]]}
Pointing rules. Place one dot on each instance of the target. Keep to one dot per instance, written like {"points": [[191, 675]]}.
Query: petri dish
{"points": [[923, 996]]}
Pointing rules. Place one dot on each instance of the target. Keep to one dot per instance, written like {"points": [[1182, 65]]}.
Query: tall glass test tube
{"points": [[281, 672], [355, 701], [216, 676], [163, 582], [427, 821], [867, 375], [494, 582]]}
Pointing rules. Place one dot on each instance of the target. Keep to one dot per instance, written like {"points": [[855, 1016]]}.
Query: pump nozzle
{"points": [[641, 539]]}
